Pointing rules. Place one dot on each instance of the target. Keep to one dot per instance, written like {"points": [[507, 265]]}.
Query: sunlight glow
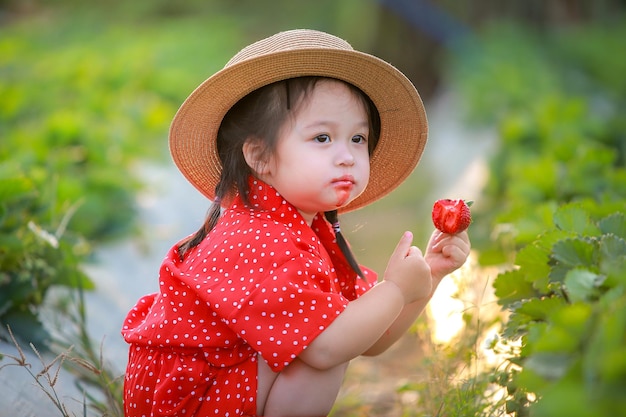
{"points": [[446, 311]]}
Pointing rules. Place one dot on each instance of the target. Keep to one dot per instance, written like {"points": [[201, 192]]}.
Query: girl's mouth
{"points": [[346, 181], [343, 187]]}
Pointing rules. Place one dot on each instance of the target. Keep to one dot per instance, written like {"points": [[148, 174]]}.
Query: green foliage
{"points": [[560, 123], [78, 112], [556, 194], [573, 324], [82, 99], [32, 259]]}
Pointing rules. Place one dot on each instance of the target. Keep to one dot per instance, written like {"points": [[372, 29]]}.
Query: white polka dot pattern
{"points": [[263, 281]]}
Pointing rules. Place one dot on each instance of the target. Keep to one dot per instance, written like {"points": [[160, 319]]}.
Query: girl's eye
{"points": [[359, 139], [322, 138]]}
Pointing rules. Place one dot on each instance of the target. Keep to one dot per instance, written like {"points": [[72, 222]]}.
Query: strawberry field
{"points": [[83, 100], [554, 209]]}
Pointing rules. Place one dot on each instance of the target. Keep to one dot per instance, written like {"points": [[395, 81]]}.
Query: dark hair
{"points": [[260, 115]]}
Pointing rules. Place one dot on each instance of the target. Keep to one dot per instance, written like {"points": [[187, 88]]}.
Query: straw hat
{"points": [[292, 54]]}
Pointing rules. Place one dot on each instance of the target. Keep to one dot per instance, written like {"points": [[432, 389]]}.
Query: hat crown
{"points": [[291, 40]]}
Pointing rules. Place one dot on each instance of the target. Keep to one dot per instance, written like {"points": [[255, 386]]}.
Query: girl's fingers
{"points": [[455, 253], [403, 248], [414, 251], [441, 239]]}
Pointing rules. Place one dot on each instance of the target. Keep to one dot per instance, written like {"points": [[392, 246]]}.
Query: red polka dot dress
{"points": [[263, 282]]}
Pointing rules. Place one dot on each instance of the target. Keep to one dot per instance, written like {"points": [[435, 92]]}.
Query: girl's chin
{"points": [[322, 207]]}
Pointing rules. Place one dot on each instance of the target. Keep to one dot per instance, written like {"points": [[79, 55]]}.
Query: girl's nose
{"points": [[345, 155]]}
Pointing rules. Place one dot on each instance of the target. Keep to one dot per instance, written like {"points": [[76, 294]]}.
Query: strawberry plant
{"points": [[553, 215], [559, 119], [32, 259], [567, 304]]}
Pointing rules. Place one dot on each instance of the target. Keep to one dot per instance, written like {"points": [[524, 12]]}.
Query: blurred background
{"points": [[526, 104]]}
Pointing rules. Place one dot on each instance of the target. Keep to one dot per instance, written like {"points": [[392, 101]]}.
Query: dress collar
{"points": [[266, 201]]}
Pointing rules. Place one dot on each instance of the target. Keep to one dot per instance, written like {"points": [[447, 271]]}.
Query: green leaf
{"points": [[564, 327], [574, 218], [613, 259], [550, 366], [574, 319], [568, 397], [516, 326], [511, 286], [606, 355], [12, 188], [612, 246], [11, 246], [614, 224], [540, 309], [27, 328], [533, 261], [574, 252], [547, 240], [555, 339], [71, 276], [582, 285]]}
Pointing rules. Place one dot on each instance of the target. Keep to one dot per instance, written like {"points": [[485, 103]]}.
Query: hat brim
{"points": [[404, 127]]}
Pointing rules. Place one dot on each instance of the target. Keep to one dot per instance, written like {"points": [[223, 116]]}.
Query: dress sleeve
{"points": [[285, 312], [361, 286]]}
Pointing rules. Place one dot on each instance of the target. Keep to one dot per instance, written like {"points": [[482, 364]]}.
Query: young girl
{"points": [[260, 312]]}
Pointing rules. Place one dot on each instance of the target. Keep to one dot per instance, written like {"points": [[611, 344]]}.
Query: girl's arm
{"points": [[357, 328], [398, 328], [366, 319], [445, 254], [373, 322], [319, 369], [299, 390]]}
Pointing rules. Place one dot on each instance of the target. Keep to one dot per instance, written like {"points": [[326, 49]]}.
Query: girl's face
{"points": [[321, 161]]}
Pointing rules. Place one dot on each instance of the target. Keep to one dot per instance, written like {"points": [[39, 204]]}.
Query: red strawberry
{"points": [[451, 216]]}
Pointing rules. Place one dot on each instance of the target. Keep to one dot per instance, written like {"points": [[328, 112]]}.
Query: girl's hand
{"points": [[408, 269], [446, 253]]}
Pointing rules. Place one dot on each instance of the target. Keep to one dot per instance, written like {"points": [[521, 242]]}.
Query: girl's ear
{"points": [[255, 156]]}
